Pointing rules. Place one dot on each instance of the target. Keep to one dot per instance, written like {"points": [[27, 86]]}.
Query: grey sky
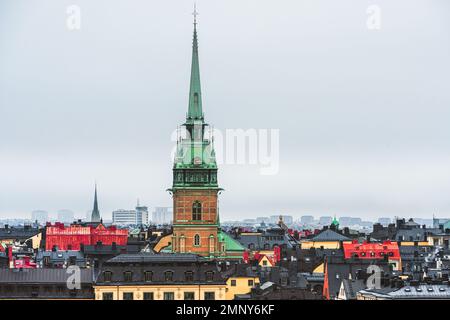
{"points": [[363, 115]]}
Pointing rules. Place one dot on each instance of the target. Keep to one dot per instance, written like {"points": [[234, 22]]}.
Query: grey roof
{"points": [[266, 285], [339, 269], [29, 276], [103, 249], [314, 277], [153, 258], [329, 235], [412, 292], [59, 255], [158, 265], [18, 233], [268, 237], [240, 270], [352, 286]]}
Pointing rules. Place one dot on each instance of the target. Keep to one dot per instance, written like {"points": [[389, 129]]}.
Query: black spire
{"points": [[95, 217]]}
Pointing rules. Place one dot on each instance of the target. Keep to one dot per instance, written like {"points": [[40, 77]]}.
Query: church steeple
{"points": [[195, 111], [95, 217]]}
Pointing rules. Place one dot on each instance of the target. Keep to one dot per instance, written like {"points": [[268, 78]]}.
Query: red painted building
{"points": [[71, 238], [369, 250]]}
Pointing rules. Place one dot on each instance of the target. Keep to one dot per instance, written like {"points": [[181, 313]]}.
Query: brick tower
{"points": [[196, 227]]}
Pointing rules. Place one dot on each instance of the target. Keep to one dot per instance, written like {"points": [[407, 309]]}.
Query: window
{"points": [[128, 296], [197, 240], [128, 276], [72, 260], [34, 291], [107, 276], [197, 211], [212, 244], [148, 276], [168, 276], [250, 283], [148, 296], [196, 98], [169, 296], [233, 283], [189, 296], [210, 296], [209, 276], [189, 276], [182, 244], [107, 296]]}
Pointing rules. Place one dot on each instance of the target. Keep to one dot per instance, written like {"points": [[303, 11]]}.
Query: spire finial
{"points": [[195, 14]]}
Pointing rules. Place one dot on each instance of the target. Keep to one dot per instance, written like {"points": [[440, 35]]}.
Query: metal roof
{"points": [[330, 235], [25, 276], [150, 257], [413, 292]]}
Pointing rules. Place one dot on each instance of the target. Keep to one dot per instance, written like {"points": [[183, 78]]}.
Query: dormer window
{"points": [[168, 276], [107, 276], [128, 276]]}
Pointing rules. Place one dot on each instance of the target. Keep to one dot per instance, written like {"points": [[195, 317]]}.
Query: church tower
{"points": [[195, 190]]}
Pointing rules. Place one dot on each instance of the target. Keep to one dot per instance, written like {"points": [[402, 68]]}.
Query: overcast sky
{"points": [[363, 115]]}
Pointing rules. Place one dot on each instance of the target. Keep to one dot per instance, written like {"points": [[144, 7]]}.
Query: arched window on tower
{"points": [[197, 240], [212, 244], [197, 211]]}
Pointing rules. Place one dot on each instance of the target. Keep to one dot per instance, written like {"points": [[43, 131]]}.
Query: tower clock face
{"points": [[197, 160]]}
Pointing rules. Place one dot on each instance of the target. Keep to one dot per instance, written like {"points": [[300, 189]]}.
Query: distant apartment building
{"points": [[326, 220], [384, 221], [262, 219], [286, 219], [138, 216], [65, 216], [345, 221], [40, 216], [307, 219], [142, 214], [124, 217], [162, 215]]}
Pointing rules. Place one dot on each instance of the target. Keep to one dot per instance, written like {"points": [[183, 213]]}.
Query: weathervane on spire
{"points": [[195, 13]]}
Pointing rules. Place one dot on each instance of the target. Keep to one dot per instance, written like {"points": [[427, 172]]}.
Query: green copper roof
{"points": [[230, 243], [195, 111]]}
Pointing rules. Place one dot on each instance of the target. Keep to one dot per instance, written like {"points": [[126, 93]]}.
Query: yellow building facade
{"points": [[240, 285], [160, 292]]}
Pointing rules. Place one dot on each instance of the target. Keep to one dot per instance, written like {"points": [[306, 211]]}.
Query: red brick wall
{"points": [[183, 201]]}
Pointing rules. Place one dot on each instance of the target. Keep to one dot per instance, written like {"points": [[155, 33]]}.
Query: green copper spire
{"points": [[95, 217], [195, 164], [335, 222], [195, 111]]}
